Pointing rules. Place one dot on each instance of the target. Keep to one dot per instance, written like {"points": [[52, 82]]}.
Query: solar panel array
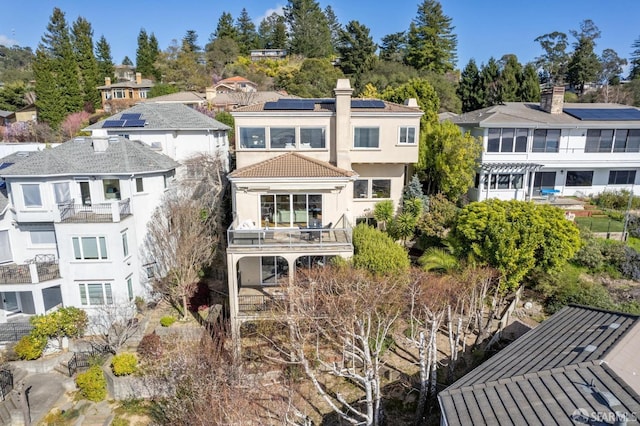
{"points": [[290, 104], [127, 120], [134, 123], [367, 103], [604, 114], [130, 116], [113, 123]]}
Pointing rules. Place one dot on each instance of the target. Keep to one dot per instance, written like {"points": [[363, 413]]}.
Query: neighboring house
{"points": [[580, 366], [7, 117], [259, 54], [124, 73], [173, 129], [574, 149], [27, 113], [72, 223], [307, 169], [235, 84], [123, 94], [219, 101]]}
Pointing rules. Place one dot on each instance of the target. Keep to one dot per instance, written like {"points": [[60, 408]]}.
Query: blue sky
{"points": [[484, 28]]}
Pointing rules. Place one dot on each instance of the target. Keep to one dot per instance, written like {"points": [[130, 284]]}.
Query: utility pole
{"points": [[626, 216]]}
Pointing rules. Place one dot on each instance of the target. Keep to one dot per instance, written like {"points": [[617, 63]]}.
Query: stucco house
{"points": [[120, 95]]}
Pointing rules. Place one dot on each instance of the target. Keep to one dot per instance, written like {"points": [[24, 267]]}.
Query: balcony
{"points": [[39, 269], [70, 212]]}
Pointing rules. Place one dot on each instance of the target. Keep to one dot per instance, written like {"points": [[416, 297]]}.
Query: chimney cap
{"points": [[343, 83], [412, 103]]}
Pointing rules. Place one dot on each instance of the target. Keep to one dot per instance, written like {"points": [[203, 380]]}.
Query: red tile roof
{"points": [[292, 165]]}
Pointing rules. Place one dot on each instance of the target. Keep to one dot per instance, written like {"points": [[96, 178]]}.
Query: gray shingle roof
{"points": [[545, 375], [169, 116], [78, 157]]}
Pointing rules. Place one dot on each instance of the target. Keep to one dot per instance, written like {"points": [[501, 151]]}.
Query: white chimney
{"points": [[343, 141], [100, 144]]}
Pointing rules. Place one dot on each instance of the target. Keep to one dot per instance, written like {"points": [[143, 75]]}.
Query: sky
{"points": [[484, 28]]}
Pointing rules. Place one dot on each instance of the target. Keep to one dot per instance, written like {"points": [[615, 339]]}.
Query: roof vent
{"points": [[614, 325], [589, 348], [22, 154], [156, 146], [79, 139], [114, 139]]}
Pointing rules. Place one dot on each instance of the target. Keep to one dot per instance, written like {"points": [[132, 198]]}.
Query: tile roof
{"points": [[545, 375], [167, 116], [291, 165], [78, 157], [328, 105]]}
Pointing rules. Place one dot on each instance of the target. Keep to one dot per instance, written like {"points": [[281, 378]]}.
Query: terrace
{"points": [[70, 212], [39, 269]]}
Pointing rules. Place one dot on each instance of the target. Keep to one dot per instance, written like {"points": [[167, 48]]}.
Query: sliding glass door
{"points": [[291, 210]]}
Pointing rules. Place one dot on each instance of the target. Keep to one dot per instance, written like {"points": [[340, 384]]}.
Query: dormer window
{"points": [[31, 195]]}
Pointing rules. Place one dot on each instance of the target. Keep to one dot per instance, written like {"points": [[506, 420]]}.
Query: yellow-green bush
{"points": [[124, 364], [92, 384], [30, 347], [167, 321]]}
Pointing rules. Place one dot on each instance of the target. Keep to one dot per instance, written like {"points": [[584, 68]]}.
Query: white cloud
{"points": [[278, 10], [6, 41]]}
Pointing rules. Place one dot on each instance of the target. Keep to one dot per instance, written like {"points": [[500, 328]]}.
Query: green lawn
{"points": [[600, 224]]}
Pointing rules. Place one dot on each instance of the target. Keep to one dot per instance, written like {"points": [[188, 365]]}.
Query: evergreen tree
{"points": [[316, 78], [190, 41], [144, 61], [247, 35], [87, 64], [357, 51], [56, 73], [154, 51], [334, 27], [510, 78], [529, 90], [105, 61], [634, 61], [431, 44], [127, 61], [225, 28], [180, 66], [309, 31], [394, 47], [470, 88], [584, 65], [489, 80], [272, 32]]}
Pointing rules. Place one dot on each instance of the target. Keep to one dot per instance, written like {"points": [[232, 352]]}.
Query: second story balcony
{"points": [[39, 269], [72, 212]]}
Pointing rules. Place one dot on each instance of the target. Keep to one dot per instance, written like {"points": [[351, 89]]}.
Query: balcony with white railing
{"points": [[39, 269], [72, 212]]}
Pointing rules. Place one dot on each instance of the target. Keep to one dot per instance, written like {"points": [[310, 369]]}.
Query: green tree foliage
{"points": [[445, 86], [403, 226], [431, 43], [146, 55], [225, 28], [387, 74], [15, 65], [584, 65], [190, 41], [104, 60], [56, 73], [490, 83], [356, 50], [247, 35], [438, 259], [553, 62], [422, 91], [438, 219], [510, 78], [180, 66], [92, 384], [124, 364], [316, 78], [309, 31], [226, 118], [127, 61], [162, 89], [634, 61], [30, 347], [89, 75], [334, 27], [611, 65], [414, 190], [383, 212], [529, 90], [272, 32], [376, 252], [470, 88], [514, 237], [220, 52], [65, 322], [12, 96], [393, 47]]}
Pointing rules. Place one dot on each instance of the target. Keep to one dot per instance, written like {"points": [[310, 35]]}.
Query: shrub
{"points": [[377, 252], [166, 321], [631, 265], [69, 322], [617, 200], [30, 347], [92, 384], [150, 347], [124, 364]]}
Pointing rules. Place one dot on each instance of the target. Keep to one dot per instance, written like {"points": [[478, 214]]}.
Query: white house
{"points": [[307, 170], [570, 149], [72, 222]]}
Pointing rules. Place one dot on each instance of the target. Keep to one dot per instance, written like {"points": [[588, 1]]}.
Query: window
{"points": [[579, 178], [627, 141], [282, 138], [252, 137], [312, 138], [43, 237], [130, 288], [31, 195], [361, 189], [5, 247], [545, 180], [118, 93], [506, 181], [622, 177], [599, 140], [507, 140], [111, 189], [61, 192], [89, 248], [381, 188], [407, 135], [366, 137], [287, 210], [139, 185], [125, 244], [546, 140], [95, 294]]}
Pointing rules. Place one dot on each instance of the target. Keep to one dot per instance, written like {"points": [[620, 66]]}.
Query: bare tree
{"points": [[115, 324], [243, 97], [184, 232]]}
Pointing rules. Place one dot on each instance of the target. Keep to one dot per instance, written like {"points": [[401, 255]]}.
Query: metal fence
{"points": [[81, 361], [13, 331], [6, 382]]}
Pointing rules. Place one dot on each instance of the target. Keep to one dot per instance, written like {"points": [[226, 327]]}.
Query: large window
{"points": [[506, 181], [312, 138], [111, 189], [627, 141], [95, 294], [622, 177], [507, 140], [361, 189], [61, 192], [282, 138], [372, 188], [290, 210], [90, 248], [31, 195], [545, 180], [599, 140], [252, 137], [43, 237], [407, 135], [579, 178], [546, 140], [366, 137]]}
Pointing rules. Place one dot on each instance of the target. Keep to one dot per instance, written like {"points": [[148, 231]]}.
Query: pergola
{"points": [[489, 169]]}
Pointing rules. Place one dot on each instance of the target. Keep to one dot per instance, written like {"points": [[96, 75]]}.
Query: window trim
{"points": [[24, 198], [106, 297], [101, 243], [369, 195], [407, 128], [139, 188], [357, 128], [631, 177]]}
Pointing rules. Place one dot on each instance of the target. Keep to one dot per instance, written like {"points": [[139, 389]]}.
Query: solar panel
{"points": [[134, 123], [5, 165], [604, 114], [288, 104], [113, 123], [130, 116], [367, 103]]}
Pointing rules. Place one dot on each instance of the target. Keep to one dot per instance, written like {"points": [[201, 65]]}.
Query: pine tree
{"points": [[470, 88], [87, 63], [393, 47], [272, 33], [510, 78], [104, 59], [146, 55], [190, 41], [127, 61], [225, 28], [357, 51], [247, 35], [634, 61], [154, 51], [334, 27], [584, 65], [309, 30], [529, 90], [489, 80], [431, 44]]}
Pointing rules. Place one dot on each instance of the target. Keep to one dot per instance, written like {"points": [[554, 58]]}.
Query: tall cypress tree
{"points": [[510, 78], [146, 55], [247, 35], [334, 27], [87, 64], [104, 59], [225, 28], [309, 31], [529, 90], [154, 51], [489, 80], [357, 51], [431, 43], [470, 88]]}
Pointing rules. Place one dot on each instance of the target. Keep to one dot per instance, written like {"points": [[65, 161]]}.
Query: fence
{"points": [[13, 331], [6, 382], [83, 360]]}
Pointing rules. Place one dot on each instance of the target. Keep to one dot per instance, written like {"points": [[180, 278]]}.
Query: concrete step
{"points": [[5, 415], [62, 369]]}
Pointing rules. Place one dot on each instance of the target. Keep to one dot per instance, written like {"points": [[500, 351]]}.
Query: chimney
{"points": [[343, 140], [412, 103], [210, 94], [552, 100], [138, 78], [107, 81], [100, 144]]}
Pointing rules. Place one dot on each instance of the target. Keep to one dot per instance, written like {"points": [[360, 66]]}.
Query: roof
{"points": [[235, 79], [78, 157], [6, 114], [178, 97], [329, 105], [221, 98], [291, 165], [527, 114], [144, 83], [166, 116], [566, 364]]}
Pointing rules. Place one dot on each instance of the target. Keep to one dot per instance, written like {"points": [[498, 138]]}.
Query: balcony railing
{"points": [[33, 272], [254, 304], [70, 212]]}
